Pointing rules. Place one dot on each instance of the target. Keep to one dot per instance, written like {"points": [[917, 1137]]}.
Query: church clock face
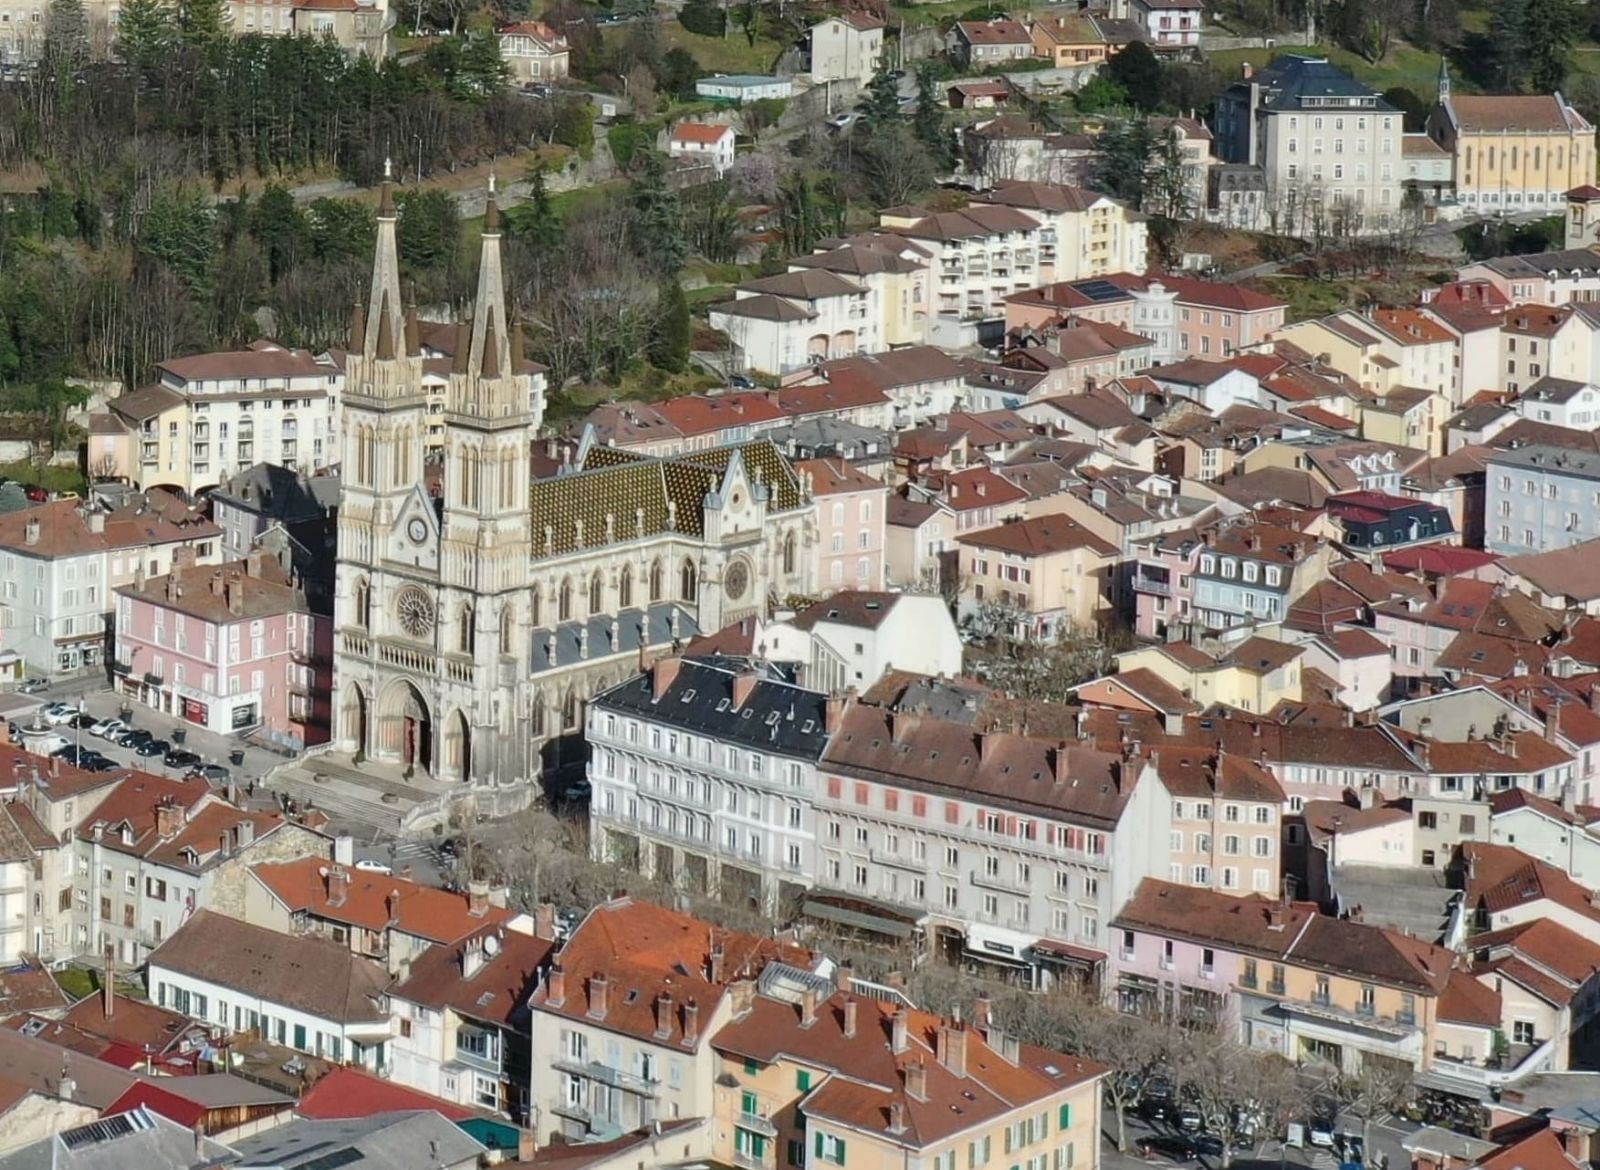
{"points": [[736, 582], [415, 612], [417, 530]]}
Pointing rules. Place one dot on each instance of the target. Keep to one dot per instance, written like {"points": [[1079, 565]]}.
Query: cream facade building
{"points": [[473, 628]]}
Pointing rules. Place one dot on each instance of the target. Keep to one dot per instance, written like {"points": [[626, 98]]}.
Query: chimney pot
{"points": [[850, 1017], [556, 986], [599, 996]]}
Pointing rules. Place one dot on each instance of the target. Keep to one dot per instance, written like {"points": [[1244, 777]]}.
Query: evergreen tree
{"points": [[178, 231], [1137, 73], [928, 120], [656, 223], [145, 34], [202, 23], [428, 233], [1535, 39], [880, 104], [280, 228], [535, 222], [1125, 151], [673, 331]]}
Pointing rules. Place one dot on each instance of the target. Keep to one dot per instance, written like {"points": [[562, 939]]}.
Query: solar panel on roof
{"points": [[98, 1131], [1099, 290], [334, 1160]]}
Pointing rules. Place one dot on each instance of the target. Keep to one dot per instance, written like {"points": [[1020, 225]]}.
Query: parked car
{"points": [[740, 382], [36, 493], [844, 120], [152, 747], [1164, 1148], [372, 865], [132, 737], [577, 790], [212, 773], [180, 758], [1189, 1119], [58, 713], [101, 764], [1207, 1144], [32, 686], [82, 719], [1320, 1132], [106, 728]]}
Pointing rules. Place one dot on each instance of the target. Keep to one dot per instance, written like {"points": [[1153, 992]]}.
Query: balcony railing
{"points": [[1249, 981], [756, 1123], [607, 1075], [996, 882], [1146, 585], [1275, 986]]}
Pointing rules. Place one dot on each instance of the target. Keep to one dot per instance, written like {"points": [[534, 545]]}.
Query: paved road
{"points": [[1385, 1144]]}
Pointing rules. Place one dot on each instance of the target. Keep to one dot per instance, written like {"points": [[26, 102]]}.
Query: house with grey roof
{"points": [[396, 1141]]}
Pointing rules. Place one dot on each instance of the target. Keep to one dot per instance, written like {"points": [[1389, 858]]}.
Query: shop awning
{"points": [[1050, 949], [860, 914]]}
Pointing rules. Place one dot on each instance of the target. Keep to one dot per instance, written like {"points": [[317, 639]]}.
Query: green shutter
{"points": [[838, 1144], [747, 1102], [819, 1143], [1065, 1121], [751, 1068], [802, 1080]]}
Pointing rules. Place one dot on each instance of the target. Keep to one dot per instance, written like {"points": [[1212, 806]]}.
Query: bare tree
{"points": [[1380, 1086]]}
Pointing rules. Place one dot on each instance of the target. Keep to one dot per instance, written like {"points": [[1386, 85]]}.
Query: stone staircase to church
{"points": [[360, 799]]}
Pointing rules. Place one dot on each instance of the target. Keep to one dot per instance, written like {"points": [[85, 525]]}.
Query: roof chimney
{"points": [[30, 533], [843, 977], [980, 1012], [661, 676], [897, 1117], [850, 1018], [833, 711], [808, 1007], [1552, 721], [108, 989], [663, 1016], [691, 1022], [556, 985], [715, 960], [544, 921], [899, 1032], [338, 885], [599, 996], [477, 899], [950, 1046], [169, 819], [742, 994], [744, 685], [916, 1080]]}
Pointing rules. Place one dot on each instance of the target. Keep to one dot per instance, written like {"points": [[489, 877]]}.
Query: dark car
{"points": [[132, 737], [179, 758], [153, 747], [215, 773], [1158, 1108], [1208, 1144], [740, 382], [82, 719], [1162, 1148], [101, 764]]}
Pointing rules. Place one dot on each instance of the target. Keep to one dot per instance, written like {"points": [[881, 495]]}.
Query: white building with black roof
{"points": [[703, 774]]}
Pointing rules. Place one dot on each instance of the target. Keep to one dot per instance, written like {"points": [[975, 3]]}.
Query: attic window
{"points": [[1478, 656], [485, 999], [632, 996], [688, 696], [807, 726], [746, 713], [772, 719], [722, 704]]}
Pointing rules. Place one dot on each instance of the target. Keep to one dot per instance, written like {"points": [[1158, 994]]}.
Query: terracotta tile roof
{"points": [[1547, 944], [426, 912], [1201, 772], [1325, 603], [63, 529], [699, 132], [54, 779], [1354, 644], [354, 1092], [318, 976], [1500, 878], [975, 222], [1466, 1001], [1541, 1150], [827, 397], [264, 362], [1376, 953], [1329, 818], [1148, 687], [765, 307], [645, 952], [1013, 772], [1572, 572], [1259, 655], [1039, 536], [697, 414], [834, 476], [539, 31], [994, 32], [1438, 560], [1410, 327], [1254, 925], [1052, 197], [911, 366], [223, 594], [1531, 752], [977, 487], [143, 1027], [133, 805], [496, 992], [1501, 112], [869, 1074], [28, 986], [1366, 747]]}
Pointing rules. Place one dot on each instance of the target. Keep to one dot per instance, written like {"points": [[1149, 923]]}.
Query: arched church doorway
{"points": [[353, 718], [457, 763], [405, 726]]}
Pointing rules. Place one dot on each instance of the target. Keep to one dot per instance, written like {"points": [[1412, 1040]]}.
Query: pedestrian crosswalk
{"points": [[415, 851]]}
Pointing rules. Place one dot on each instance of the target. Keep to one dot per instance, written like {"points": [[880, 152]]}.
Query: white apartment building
{"points": [[1082, 233], [1329, 147], [978, 256], [797, 319], [59, 563], [707, 777], [847, 47]]}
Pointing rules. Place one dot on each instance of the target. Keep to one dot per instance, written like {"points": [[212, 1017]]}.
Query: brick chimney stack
{"points": [[808, 1007], [169, 819], [744, 685], [556, 986], [663, 1016], [662, 674], [599, 996], [544, 921], [916, 1080], [338, 885], [951, 1048], [477, 899], [850, 1017], [691, 1023]]}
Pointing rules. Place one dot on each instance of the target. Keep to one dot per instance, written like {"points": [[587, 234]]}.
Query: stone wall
{"points": [[288, 842]]}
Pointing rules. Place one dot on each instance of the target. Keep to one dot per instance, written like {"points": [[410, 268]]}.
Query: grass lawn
{"points": [[1307, 298], [730, 54], [1416, 69], [924, 15], [55, 479], [77, 982]]}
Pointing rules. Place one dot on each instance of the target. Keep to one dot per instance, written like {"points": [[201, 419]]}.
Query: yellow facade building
{"points": [[1513, 153]]}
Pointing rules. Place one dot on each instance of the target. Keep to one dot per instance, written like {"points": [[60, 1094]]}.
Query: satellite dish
{"points": [[491, 945]]}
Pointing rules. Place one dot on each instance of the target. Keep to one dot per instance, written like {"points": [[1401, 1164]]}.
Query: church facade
{"points": [[474, 624]]}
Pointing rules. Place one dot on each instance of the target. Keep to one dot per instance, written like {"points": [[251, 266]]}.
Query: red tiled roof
{"points": [[698, 414], [1501, 878], [979, 487], [1466, 1001], [1039, 536], [352, 1092], [1439, 560], [424, 911], [1541, 1150], [700, 132]]}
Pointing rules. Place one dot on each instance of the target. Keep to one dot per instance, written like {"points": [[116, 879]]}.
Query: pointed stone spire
{"points": [[489, 331], [1444, 78], [358, 328], [386, 328], [413, 330], [462, 358]]}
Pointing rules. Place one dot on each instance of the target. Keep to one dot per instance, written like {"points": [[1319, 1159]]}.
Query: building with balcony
{"points": [[1169, 24], [1041, 577], [703, 773], [234, 648], [977, 256], [266, 497], [296, 991], [1082, 234], [828, 1077], [461, 1017], [1248, 571], [622, 1026]]}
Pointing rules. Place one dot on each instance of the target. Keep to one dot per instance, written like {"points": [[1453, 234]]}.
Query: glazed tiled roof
{"points": [[623, 486]]}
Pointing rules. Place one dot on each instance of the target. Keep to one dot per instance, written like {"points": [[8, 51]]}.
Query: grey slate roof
{"points": [[394, 1141], [630, 632], [270, 490], [776, 717], [137, 1140], [1296, 82]]}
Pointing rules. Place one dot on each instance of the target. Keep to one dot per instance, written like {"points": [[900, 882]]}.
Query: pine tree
{"points": [[145, 34], [535, 222], [202, 23], [928, 120], [280, 228], [673, 331], [656, 225], [880, 104]]}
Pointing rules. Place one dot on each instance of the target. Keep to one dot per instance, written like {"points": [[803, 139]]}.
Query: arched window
{"points": [[597, 595], [570, 710], [688, 582], [536, 607], [790, 554], [508, 478], [537, 716], [363, 613], [655, 581], [625, 588], [507, 627], [468, 634], [564, 601]]}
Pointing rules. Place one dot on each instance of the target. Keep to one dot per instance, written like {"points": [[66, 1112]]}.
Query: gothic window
{"points": [[597, 602], [363, 613], [625, 588], [507, 622], [790, 554], [536, 717], [571, 710], [467, 635], [655, 581], [469, 478], [688, 582], [508, 478], [564, 601], [536, 606]]}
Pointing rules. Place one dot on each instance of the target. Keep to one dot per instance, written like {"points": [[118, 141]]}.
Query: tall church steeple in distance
{"points": [[385, 333], [490, 354], [1444, 78]]}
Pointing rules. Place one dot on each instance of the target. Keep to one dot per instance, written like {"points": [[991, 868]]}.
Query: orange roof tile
{"points": [[424, 911]]}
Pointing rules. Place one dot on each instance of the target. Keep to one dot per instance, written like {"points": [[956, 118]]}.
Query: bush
{"points": [[625, 139], [699, 16]]}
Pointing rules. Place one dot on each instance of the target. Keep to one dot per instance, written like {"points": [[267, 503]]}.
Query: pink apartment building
{"points": [[851, 511], [233, 648], [1163, 582]]}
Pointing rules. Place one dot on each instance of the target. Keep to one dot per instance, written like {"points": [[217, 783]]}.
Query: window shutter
{"points": [[1065, 1119], [838, 1145], [1008, 1138], [819, 1144]]}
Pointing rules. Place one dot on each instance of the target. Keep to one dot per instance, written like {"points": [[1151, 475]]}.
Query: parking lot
{"points": [[101, 703]]}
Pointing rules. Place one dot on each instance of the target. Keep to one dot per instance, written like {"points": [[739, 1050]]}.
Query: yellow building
{"points": [[1349, 345], [1256, 675], [851, 1081], [1050, 572], [1513, 153], [1406, 417]]}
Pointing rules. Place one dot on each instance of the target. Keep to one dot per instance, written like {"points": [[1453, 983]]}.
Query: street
{"points": [[1384, 1148]]}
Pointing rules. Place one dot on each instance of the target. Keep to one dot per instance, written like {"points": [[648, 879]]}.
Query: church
{"points": [[475, 621]]}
